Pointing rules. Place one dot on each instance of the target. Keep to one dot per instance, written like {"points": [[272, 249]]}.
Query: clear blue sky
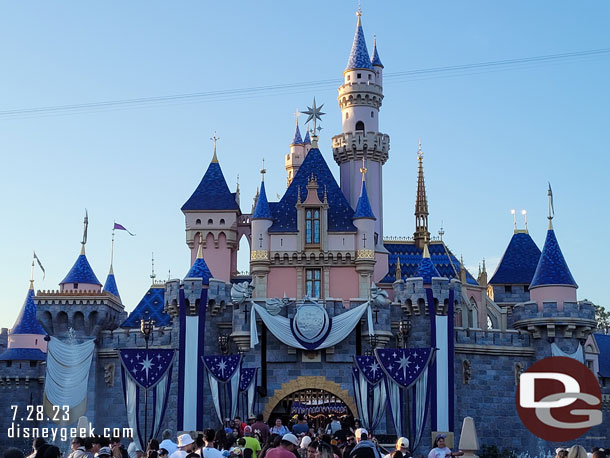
{"points": [[492, 140]]}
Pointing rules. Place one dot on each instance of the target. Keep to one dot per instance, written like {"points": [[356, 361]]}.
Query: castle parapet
{"points": [[576, 319]]}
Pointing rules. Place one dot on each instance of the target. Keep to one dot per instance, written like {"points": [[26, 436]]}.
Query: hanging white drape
{"points": [[421, 397], [67, 374], [232, 387], [394, 398], [279, 326], [251, 394], [215, 396], [161, 398], [578, 355], [131, 402]]}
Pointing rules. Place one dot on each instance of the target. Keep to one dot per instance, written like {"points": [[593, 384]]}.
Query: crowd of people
{"points": [[256, 439]]}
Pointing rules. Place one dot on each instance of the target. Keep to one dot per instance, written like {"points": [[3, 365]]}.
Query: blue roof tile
{"points": [[26, 322], [339, 212], [359, 55], [603, 343], [410, 257], [297, 140], [23, 354], [426, 270], [519, 261], [375, 60], [307, 140], [363, 207], [110, 285], [81, 272], [200, 270], [212, 192], [262, 211], [151, 306], [552, 268]]}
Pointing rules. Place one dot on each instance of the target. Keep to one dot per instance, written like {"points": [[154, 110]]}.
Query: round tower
{"points": [[294, 159], [360, 97], [364, 220], [259, 256]]}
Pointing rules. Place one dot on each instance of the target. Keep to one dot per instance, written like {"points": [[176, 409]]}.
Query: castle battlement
{"points": [[570, 319], [132, 338]]}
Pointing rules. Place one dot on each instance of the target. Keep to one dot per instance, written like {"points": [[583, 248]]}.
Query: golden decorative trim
{"points": [[365, 254], [259, 255]]}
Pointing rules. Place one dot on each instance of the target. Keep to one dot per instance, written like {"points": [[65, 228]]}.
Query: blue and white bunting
{"points": [[146, 367]]}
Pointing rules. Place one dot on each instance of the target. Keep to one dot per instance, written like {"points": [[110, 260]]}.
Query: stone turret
{"points": [[364, 220], [259, 256]]}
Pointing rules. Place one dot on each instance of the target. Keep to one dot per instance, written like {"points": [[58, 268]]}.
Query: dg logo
{"points": [[559, 399]]}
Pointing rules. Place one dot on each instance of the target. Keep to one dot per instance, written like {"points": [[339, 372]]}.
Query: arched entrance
{"points": [[308, 390]]}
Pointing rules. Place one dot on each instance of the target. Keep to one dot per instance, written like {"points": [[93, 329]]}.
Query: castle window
{"points": [[313, 281], [222, 222], [508, 289], [359, 75], [9, 363], [372, 114], [198, 221], [369, 76], [526, 288], [210, 221], [33, 363], [346, 115], [349, 77], [75, 285], [359, 125], [312, 226]]}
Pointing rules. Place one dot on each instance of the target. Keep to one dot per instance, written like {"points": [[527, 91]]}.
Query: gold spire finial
{"points": [[359, 12], [398, 275], [200, 249], [551, 207], [420, 153], [363, 170], [263, 171], [214, 139], [426, 251], [32, 273]]}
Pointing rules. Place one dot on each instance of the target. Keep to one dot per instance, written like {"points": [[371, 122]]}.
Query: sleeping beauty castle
{"points": [[333, 318]]}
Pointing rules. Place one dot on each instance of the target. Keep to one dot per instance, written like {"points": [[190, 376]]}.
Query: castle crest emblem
{"points": [[311, 324]]}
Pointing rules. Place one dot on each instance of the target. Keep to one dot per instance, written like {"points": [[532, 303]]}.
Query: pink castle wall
{"points": [[27, 341], [81, 287], [282, 280], [559, 294], [343, 282], [381, 267], [218, 258]]}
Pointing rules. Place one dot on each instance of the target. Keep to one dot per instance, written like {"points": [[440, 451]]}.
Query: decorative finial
{"points": [[398, 275], [524, 213], [551, 207], [200, 249], [214, 139], [420, 153], [441, 232], [152, 274], [359, 11], [169, 274], [314, 113], [514, 213], [85, 225], [297, 113], [263, 171], [426, 251], [32, 273], [363, 170], [484, 268]]}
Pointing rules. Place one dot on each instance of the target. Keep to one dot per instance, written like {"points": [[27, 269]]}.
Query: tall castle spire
{"points": [[421, 235]]}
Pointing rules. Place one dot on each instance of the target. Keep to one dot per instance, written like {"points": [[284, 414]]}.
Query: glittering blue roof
{"points": [[603, 343], [23, 354], [339, 212], [200, 270], [359, 55], [410, 257], [552, 268], [212, 192], [151, 306], [307, 140], [518, 263], [110, 285], [26, 322], [81, 272], [426, 270], [363, 207], [375, 60], [262, 211], [297, 140]]}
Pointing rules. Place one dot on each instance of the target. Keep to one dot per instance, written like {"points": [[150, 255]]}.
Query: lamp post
{"points": [[404, 329], [146, 326]]}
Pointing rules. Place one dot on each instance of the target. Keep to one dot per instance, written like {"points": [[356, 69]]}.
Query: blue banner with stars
{"points": [[146, 367], [404, 365], [370, 368], [222, 367]]}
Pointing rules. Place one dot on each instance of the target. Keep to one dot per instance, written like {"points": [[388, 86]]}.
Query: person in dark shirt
{"points": [[301, 427]]}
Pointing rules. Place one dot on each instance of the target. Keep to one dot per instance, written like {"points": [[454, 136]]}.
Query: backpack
{"points": [[124, 453]]}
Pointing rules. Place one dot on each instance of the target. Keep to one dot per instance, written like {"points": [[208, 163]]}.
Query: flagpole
{"points": [[32, 272], [112, 248]]}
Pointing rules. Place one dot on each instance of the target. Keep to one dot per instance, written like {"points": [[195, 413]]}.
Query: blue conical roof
{"points": [[552, 268], [518, 263], [297, 140], [26, 322], [426, 268], [201, 270], [151, 307], [307, 140], [262, 210], [110, 285], [375, 60], [363, 207], [359, 55], [81, 272], [212, 192]]}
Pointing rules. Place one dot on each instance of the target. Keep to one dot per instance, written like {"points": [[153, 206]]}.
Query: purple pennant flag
{"points": [[404, 365], [370, 368], [146, 367], [245, 378], [120, 227], [222, 367]]}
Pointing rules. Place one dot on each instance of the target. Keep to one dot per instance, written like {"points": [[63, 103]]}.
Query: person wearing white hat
{"points": [[103, 452], [286, 449], [401, 450], [186, 445], [365, 448]]}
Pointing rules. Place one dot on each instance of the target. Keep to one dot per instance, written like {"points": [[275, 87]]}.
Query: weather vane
{"points": [[263, 171], [420, 153], [314, 113], [363, 169]]}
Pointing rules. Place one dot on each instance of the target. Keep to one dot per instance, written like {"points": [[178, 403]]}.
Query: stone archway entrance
{"points": [[302, 385]]}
